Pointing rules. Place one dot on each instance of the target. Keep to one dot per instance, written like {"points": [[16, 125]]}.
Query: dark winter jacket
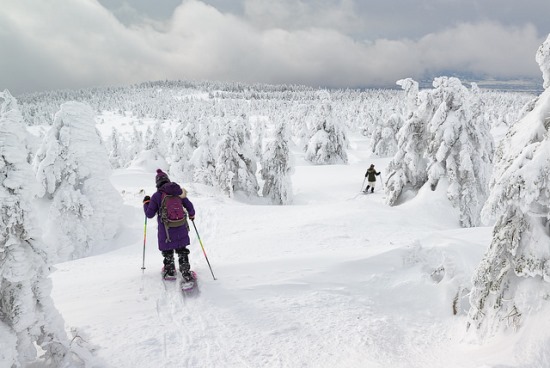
{"points": [[372, 174], [179, 235]]}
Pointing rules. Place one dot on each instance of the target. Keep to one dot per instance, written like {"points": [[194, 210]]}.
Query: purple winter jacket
{"points": [[178, 235]]}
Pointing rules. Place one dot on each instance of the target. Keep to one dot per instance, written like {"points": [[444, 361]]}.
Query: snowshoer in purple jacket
{"points": [[178, 238]]}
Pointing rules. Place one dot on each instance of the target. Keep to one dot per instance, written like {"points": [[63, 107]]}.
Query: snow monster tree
{"points": [[513, 279]]}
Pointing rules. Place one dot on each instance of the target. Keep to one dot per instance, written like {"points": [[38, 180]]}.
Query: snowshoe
{"points": [[189, 281], [169, 275]]}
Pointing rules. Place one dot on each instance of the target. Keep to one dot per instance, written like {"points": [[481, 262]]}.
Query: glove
{"points": [[146, 199], [192, 218]]}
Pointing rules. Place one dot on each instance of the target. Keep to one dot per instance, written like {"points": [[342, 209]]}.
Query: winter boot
{"points": [[185, 267], [367, 189], [169, 269], [372, 190]]}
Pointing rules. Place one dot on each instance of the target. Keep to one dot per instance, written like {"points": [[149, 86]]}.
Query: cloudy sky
{"points": [[52, 44]]}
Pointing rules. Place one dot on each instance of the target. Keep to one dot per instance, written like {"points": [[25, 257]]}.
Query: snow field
{"points": [[338, 279]]}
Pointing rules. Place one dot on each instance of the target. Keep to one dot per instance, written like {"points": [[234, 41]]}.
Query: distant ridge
{"points": [[527, 85]]}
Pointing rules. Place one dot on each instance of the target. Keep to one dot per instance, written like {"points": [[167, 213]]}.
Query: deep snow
{"points": [[337, 279]]}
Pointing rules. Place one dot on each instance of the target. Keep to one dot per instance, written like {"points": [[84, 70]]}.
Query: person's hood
{"points": [[171, 189]]}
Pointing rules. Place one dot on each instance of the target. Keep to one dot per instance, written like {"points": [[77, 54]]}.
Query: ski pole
{"points": [[144, 241], [363, 184], [203, 251]]}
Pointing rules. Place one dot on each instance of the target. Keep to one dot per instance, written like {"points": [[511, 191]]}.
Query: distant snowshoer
{"points": [[171, 206], [371, 175]]}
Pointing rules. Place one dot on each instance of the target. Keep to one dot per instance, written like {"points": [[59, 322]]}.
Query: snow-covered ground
{"points": [[337, 279]]}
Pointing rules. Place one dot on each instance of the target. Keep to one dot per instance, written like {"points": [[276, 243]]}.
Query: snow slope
{"points": [[338, 279]]}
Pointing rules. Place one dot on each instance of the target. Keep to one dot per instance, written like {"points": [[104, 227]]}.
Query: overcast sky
{"points": [[52, 44]]}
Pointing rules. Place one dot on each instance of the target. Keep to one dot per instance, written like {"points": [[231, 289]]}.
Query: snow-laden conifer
{"points": [[115, 155], [513, 279], [235, 165], [277, 166], [298, 121], [28, 317], [460, 148], [156, 139], [192, 132], [411, 90], [407, 169], [181, 148], [543, 59], [202, 159], [72, 167], [134, 146], [384, 135], [329, 142], [258, 135]]}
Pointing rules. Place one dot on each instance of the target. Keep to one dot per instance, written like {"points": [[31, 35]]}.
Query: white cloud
{"points": [[340, 15], [484, 48], [86, 45]]}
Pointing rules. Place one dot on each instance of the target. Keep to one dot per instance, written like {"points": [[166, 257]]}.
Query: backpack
{"points": [[172, 213]]}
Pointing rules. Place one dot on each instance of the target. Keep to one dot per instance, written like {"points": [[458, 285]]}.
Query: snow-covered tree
{"points": [[202, 160], [277, 167], [513, 279], [72, 167], [445, 136], [181, 149], [543, 59], [300, 132], [410, 87], [192, 132], [151, 139], [460, 148], [135, 146], [156, 139], [259, 131], [329, 142], [235, 165], [384, 136], [115, 154], [407, 169], [28, 317]]}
